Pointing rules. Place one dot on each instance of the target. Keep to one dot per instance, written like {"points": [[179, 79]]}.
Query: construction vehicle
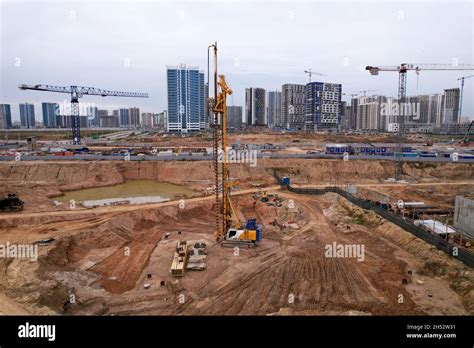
{"points": [[180, 259], [77, 92], [232, 232], [244, 236], [12, 203]]}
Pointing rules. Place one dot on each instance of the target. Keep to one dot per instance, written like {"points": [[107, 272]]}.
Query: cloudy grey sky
{"points": [[126, 45]]}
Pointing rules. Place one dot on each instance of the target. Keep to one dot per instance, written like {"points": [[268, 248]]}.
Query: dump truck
{"points": [[11, 202]]}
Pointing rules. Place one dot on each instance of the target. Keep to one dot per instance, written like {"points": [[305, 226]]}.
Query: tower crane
{"points": [[232, 232], [402, 70], [310, 73], [462, 92], [351, 94], [77, 92], [368, 90]]}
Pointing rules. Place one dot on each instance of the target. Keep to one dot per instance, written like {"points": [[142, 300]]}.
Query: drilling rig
{"points": [[231, 232]]}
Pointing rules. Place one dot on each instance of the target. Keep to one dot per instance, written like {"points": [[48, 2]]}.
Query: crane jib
{"points": [[77, 92]]}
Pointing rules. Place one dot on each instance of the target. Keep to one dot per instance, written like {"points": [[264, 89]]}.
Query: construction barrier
{"points": [[463, 255]]}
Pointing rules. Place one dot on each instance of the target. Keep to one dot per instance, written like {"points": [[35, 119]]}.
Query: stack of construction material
{"points": [[180, 259], [197, 257]]}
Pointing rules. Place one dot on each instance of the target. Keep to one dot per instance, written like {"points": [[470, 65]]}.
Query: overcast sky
{"points": [[126, 45]]}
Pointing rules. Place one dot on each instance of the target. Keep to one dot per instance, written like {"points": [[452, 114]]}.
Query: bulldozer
{"points": [[11, 202]]}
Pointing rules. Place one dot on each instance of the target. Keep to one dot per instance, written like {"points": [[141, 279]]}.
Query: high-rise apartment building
{"points": [[292, 106], [417, 112], [370, 114], [27, 115], [5, 116], [323, 105], [274, 108], [50, 115], [93, 116], [147, 119], [160, 119], [134, 114], [451, 105], [124, 118], [255, 107], [234, 117], [186, 99]]}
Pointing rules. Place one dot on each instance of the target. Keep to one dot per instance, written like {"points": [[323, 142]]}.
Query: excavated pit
{"points": [[101, 259]]}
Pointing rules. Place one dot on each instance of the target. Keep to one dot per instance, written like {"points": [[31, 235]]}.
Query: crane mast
{"points": [[462, 92], [402, 70], [77, 92], [219, 107]]}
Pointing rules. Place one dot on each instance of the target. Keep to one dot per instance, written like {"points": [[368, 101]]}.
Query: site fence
{"points": [[463, 255]]}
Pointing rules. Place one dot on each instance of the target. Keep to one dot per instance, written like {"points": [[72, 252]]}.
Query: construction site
{"points": [[117, 259], [340, 235]]}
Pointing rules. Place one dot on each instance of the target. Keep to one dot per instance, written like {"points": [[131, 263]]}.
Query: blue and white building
{"points": [[186, 99], [274, 108], [322, 106], [27, 115], [124, 118], [5, 116], [50, 115]]}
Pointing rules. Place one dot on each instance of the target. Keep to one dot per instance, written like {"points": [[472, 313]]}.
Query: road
{"points": [[387, 184], [126, 208], [205, 157]]}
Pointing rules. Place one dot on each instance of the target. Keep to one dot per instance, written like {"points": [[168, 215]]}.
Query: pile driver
{"points": [[231, 232]]}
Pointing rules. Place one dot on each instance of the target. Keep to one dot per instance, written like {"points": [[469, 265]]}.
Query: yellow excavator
{"points": [[232, 232]]}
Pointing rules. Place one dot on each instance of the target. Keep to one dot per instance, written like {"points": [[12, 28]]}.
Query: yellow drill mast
{"points": [[221, 91], [221, 108]]}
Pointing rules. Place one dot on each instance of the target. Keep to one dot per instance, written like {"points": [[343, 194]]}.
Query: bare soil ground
{"points": [[37, 182], [287, 273], [102, 257]]}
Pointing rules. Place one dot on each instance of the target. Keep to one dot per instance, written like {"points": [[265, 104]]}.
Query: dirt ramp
{"points": [[121, 270]]}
